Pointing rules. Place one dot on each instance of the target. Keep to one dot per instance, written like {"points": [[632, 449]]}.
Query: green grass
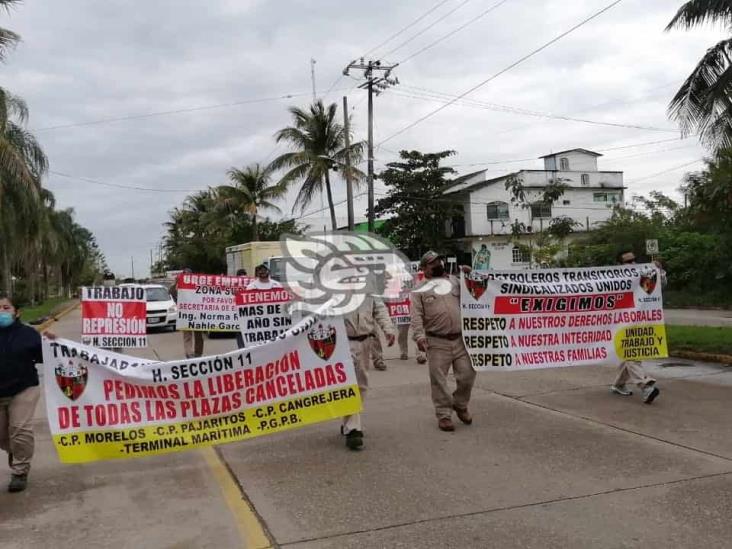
{"points": [[700, 339], [54, 304]]}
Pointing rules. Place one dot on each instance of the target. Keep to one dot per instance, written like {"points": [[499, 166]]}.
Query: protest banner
{"points": [[400, 309], [263, 314], [114, 317], [206, 302], [104, 405], [548, 318]]}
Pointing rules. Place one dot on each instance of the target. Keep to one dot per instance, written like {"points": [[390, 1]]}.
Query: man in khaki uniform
{"points": [[360, 324], [436, 325]]}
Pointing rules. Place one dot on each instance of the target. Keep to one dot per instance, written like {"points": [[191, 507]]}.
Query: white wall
{"points": [[582, 205], [578, 161]]}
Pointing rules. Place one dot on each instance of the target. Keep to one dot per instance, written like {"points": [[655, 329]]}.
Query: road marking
{"points": [[250, 527], [56, 317]]}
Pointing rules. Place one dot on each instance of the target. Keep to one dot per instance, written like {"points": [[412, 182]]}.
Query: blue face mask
{"points": [[6, 319]]}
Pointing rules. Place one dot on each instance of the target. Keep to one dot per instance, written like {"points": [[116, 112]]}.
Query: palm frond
{"points": [[699, 12], [705, 97]]}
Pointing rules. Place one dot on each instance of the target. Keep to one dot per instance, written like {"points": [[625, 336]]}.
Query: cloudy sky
{"points": [[84, 63]]}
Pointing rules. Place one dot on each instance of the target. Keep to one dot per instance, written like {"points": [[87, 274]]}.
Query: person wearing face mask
{"points": [[632, 371], [436, 325], [20, 351]]}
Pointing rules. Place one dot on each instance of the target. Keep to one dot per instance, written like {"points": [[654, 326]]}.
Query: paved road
{"points": [[698, 317], [552, 460]]}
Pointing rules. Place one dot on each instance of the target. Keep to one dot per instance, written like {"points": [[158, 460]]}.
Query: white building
{"points": [[488, 212]]}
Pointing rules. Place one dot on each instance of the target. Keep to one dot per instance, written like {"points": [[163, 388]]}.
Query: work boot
{"points": [[354, 440], [445, 424], [421, 359], [381, 365], [463, 415], [404, 356], [17, 483], [650, 392], [621, 390]]}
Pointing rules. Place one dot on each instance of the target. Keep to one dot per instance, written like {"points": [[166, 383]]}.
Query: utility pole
{"points": [[132, 263], [349, 183], [377, 76], [312, 77]]}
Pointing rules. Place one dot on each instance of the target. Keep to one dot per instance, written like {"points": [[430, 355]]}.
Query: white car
{"points": [[161, 309]]}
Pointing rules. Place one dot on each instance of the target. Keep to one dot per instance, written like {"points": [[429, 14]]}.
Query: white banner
{"points": [[206, 302], [263, 314], [547, 318], [104, 405]]}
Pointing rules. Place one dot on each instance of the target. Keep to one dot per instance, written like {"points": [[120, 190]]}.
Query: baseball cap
{"points": [[429, 257]]}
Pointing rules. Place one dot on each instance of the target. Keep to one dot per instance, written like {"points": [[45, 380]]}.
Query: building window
{"points": [[520, 255], [564, 164], [497, 210], [585, 179], [613, 198], [565, 202], [541, 210]]}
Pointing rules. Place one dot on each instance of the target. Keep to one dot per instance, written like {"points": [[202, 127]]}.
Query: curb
{"points": [[55, 317], [706, 357]]}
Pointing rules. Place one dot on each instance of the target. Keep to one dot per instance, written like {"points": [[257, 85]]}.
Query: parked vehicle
{"points": [[161, 309]]}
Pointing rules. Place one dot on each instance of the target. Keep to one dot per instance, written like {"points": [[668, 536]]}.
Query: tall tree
{"points": [[22, 164], [419, 212], [319, 143], [251, 191], [702, 105], [8, 38]]}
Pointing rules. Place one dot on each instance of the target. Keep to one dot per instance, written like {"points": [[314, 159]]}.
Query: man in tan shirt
{"points": [[360, 324], [436, 327]]}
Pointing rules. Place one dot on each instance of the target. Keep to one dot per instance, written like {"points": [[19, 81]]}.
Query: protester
{"points": [[360, 324], [241, 272], [377, 351], [630, 370], [192, 340], [436, 327], [262, 281], [20, 351]]}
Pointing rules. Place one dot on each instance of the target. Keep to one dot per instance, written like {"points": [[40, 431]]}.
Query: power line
{"points": [[666, 171], [526, 112], [517, 160], [409, 26], [453, 32], [506, 69], [428, 27], [119, 186], [397, 33], [176, 111]]}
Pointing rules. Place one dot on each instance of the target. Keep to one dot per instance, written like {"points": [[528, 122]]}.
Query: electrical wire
{"points": [[525, 112], [176, 111], [428, 27], [409, 26], [505, 70], [453, 32], [119, 186]]}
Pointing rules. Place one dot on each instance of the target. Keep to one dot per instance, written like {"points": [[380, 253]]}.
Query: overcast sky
{"points": [[89, 60]]}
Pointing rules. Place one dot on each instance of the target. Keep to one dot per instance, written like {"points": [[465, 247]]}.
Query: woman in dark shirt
{"points": [[20, 351]]}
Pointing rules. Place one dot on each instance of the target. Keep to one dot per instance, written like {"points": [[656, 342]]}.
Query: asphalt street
{"points": [[551, 460]]}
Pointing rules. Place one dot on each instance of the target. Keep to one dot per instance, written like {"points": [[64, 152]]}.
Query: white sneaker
{"points": [[621, 390], [650, 392]]}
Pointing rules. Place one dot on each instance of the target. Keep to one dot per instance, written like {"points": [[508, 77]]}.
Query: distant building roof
{"points": [[571, 150]]}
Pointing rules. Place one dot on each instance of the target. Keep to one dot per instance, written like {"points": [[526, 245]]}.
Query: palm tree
{"points": [[8, 38], [251, 192], [319, 143], [22, 164], [703, 104]]}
